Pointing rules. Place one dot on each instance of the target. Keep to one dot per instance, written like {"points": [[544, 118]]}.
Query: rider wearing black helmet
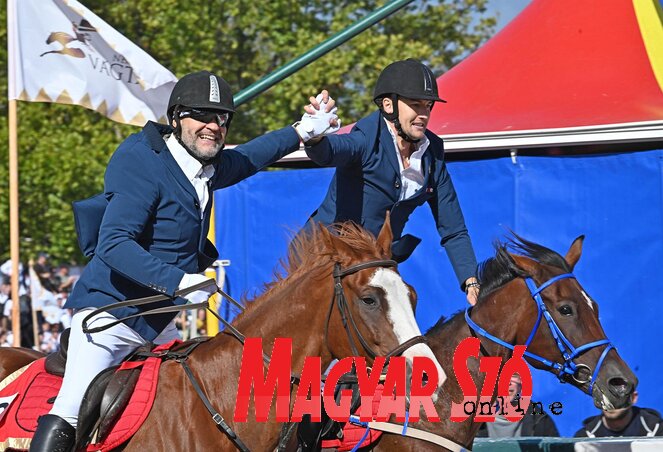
{"points": [[200, 95], [147, 232], [391, 162], [407, 79]]}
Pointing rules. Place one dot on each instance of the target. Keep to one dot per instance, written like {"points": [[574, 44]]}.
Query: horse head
{"points": [[548, 310], [372, 308]]}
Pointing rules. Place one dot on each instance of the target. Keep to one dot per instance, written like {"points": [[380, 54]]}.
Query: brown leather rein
{"points": [[338, 299]]}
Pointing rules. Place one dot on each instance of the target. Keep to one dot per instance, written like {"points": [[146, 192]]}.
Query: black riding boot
{"points": [[53, 434]]}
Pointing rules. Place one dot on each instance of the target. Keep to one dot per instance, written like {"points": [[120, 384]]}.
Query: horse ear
{"points": [[573, 254], [327, 237], [385, 237], [526, 264], [333, 242]]}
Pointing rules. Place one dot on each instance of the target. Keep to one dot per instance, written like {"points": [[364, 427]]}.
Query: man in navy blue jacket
{"points": [[150, 236], [391, 162]]}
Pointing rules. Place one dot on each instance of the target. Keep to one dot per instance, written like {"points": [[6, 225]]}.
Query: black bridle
{"points": [[339, 300]]}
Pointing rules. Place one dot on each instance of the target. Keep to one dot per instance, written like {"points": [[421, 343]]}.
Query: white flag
{"points": [[59, 51], [38, 294]]}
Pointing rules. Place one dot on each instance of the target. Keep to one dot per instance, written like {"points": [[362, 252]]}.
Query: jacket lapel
{"points": [[170, 163], [387, 146], [427, 164], [155, 133]]}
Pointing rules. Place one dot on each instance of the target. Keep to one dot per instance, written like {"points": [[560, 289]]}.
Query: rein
{"points": [[189, 306], [568, 351]]}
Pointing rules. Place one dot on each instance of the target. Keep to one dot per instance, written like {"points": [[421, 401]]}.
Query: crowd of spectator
{"points": [[632, 421], [43, 290]]}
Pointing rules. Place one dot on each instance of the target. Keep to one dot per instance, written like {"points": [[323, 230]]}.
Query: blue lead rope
{"points": [[355, 420]]}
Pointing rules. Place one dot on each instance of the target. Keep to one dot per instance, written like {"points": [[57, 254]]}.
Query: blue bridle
{"points": [[568, 351]]}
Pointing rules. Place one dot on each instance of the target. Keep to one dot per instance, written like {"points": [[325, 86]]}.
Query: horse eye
{"points": [[565, 310], [369, 300]]}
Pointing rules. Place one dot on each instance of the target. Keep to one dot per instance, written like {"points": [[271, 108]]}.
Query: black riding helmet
{"points": [[410, 79], [202, 90]]}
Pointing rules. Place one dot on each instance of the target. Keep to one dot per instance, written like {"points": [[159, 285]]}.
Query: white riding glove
{"points": [[200, 295], [314, 125]]}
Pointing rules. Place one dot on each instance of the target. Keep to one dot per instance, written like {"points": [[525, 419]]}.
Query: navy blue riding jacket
{"points": [[146, 231], [367, 184]]}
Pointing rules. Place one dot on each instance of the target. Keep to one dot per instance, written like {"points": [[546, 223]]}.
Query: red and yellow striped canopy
{"points": [[559, 64]]}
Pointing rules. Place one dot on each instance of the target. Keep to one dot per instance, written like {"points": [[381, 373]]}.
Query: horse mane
{"points": [[499, 270], [444, 323], [496, 271], [311, 252]]}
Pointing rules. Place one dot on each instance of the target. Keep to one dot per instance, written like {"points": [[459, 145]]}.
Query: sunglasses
{"points": [[206, 116]]}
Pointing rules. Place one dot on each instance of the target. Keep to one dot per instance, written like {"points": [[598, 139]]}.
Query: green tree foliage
{"points": [[63, 149]]}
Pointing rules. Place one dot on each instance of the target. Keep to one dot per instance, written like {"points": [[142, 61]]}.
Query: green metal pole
{"points": [[318, 51]]}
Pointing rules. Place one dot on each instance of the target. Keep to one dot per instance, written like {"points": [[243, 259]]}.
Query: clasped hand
{"points": [[320, 118]]}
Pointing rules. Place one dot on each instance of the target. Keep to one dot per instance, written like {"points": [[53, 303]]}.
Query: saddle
{"points": [[106, 398], [109, 393]]}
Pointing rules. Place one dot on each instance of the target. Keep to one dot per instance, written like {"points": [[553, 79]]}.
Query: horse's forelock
{"points": [[500, 269]]}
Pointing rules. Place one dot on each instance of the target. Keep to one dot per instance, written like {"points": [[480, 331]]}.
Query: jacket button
{"points": [[397, 184]]}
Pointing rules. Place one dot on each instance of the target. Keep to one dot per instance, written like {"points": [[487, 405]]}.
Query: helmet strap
{"points": [[402, 134], [393, 117]]}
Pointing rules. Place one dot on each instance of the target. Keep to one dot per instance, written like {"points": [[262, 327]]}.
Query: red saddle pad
{"points": [[30, 392]]}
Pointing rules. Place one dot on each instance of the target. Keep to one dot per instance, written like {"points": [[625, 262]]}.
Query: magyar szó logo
{"points": [[311, 397]]}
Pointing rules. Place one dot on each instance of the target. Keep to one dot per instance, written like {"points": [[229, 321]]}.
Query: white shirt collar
{"points": [[191, 167], [412, 178]]}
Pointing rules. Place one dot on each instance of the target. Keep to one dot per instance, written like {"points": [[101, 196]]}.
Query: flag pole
{"points": [[13, 221]]}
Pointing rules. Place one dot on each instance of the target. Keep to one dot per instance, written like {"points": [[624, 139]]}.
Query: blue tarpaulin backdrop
{"points": [[616, 201]]}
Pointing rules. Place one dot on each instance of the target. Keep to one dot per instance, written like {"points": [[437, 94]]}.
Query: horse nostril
{"points": [[619, 386]]}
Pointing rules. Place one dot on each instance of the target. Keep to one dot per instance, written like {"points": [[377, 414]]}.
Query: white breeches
{"points": [[89, 354]]}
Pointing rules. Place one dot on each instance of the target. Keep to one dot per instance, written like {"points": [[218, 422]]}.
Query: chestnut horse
{"points": [[508, 312], [327, 272]]}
